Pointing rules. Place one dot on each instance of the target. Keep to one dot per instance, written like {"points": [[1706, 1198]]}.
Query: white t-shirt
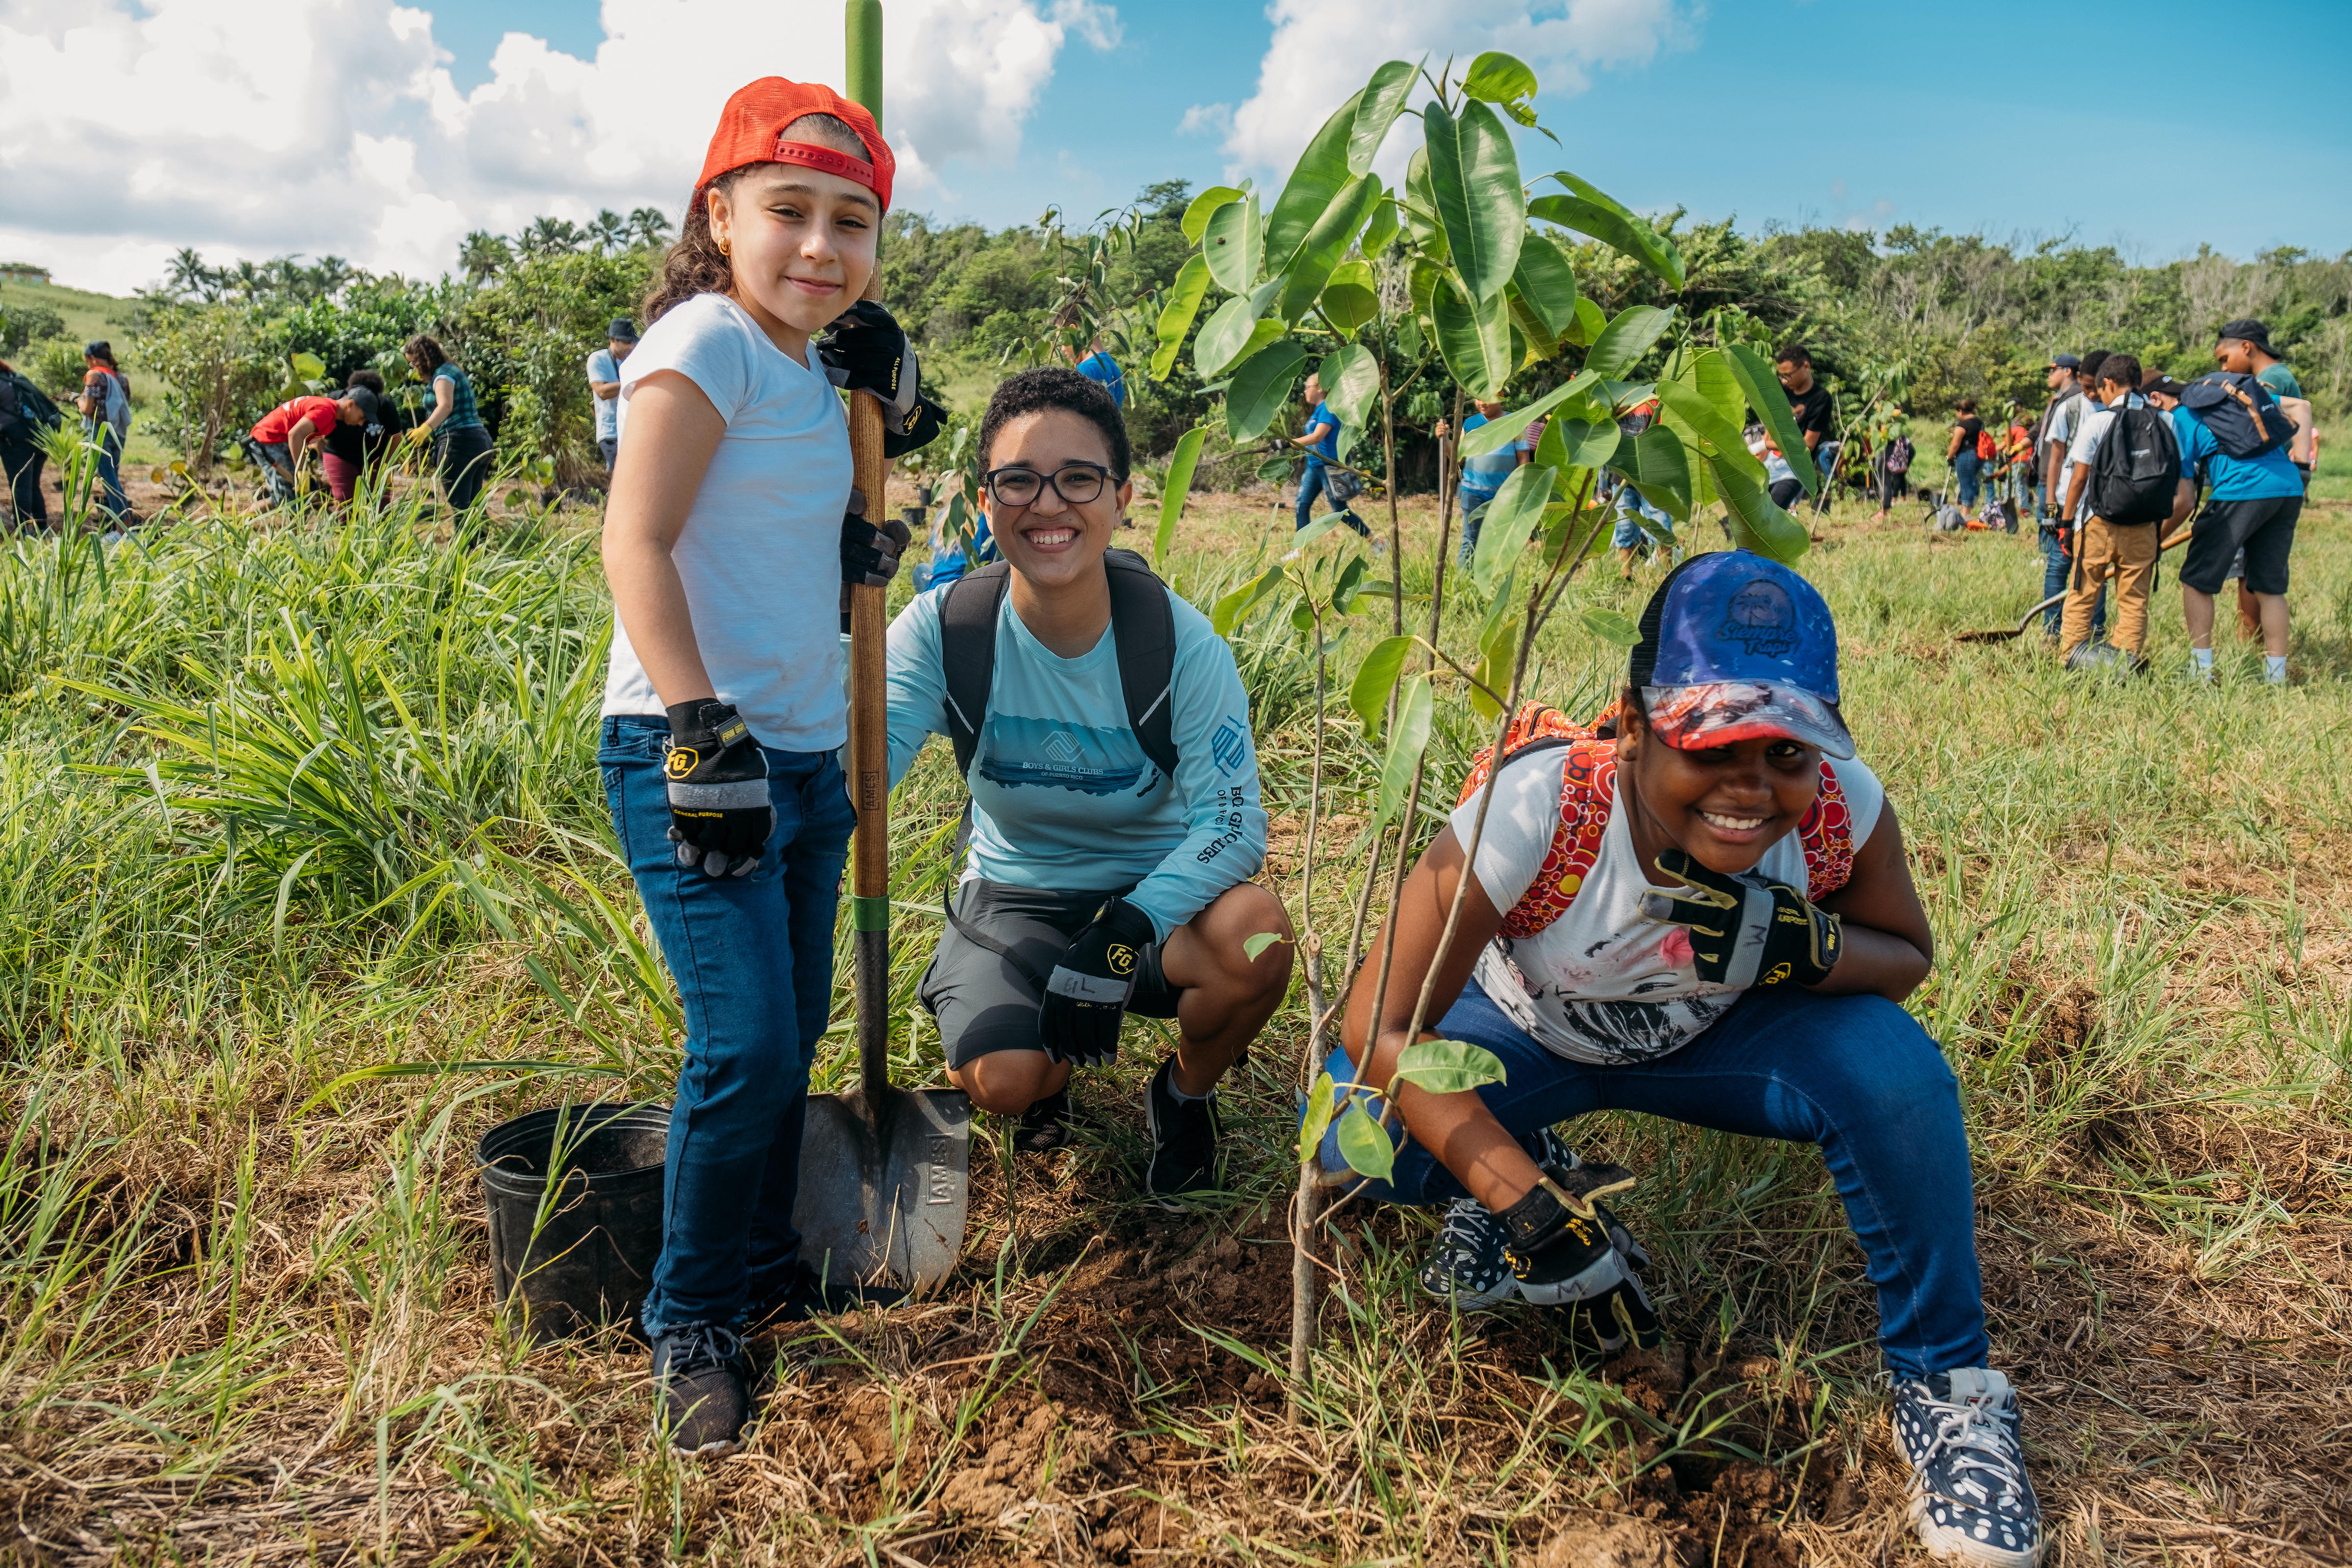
{"points": [[2085, 447], [608, 409], [1605, 983], [760, 553], [2065, 421]]}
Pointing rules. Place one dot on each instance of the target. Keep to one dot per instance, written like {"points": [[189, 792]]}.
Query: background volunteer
{"points": [[604, 385]]}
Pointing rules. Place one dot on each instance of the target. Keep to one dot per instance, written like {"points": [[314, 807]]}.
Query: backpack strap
{"points": [[968, 653], [1143, 630], [1587, 797], [1826, 835]]}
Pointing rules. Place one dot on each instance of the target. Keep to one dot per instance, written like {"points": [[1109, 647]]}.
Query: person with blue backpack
{"points": [[2230, 425], [26, 415]]}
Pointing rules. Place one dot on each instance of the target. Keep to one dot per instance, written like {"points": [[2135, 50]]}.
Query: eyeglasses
{"points": [[1076, 483]]}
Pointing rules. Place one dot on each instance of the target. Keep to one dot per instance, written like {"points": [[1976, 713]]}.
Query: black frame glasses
{"points": [[997, 481]]}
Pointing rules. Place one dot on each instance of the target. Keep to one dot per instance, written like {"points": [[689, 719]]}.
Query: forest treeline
{"points": [[1914, 315]]}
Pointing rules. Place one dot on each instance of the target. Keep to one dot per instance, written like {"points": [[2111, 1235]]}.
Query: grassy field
{"points": [[278, 804]]}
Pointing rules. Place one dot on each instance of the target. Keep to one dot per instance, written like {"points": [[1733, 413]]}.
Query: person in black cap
{"points": [[1697, 909], [604, 385], [2243, 348]]}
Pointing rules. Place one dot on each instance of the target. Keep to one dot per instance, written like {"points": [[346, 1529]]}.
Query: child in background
{"points": [[1483, 475]]}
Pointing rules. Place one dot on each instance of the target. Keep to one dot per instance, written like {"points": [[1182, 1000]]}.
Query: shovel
{"points": [[885, 1188], [2002, 634]]}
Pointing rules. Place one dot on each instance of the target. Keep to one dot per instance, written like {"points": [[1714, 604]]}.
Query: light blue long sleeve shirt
{"points": [[1063, 796]]}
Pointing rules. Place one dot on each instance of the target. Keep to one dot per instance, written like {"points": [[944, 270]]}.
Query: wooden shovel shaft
{"points": [[869, 773]]}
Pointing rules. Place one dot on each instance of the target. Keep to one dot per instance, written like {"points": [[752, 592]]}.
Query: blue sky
{"points": [[1999, 117]]}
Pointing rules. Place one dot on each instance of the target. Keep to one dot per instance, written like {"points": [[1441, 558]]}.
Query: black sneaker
{"points": [[1970, 1495], [1183, 1141], [703, 1378], [1469, 1266], [1045, 1126]]}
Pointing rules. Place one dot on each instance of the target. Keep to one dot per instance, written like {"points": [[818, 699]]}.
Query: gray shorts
{"points": [[986, 1002]]}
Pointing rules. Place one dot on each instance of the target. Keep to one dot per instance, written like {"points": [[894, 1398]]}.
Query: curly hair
{"points": [[695, 264], [1050, 386]]}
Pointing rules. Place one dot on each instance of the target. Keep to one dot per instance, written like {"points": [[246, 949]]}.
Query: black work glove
{"points": [[1086, 994], [1743, 930], [866, 351], [869, 555], [720, 813]]}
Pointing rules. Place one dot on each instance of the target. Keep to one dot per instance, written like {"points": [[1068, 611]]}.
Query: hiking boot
{"points": [[1970, 1495], [1045, 1126], [703, 1380], [1183, 1141]]}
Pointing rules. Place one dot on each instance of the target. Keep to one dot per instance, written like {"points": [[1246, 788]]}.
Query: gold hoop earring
{"points": [[723, 250]]}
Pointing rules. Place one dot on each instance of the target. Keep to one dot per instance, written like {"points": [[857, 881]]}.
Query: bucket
{"points": [[599, 1230]]}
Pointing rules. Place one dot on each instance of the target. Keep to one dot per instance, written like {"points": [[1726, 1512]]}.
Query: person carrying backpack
{"points": [[105, 405], [2125, 479], [1115, 818], [1966, 453], [26, 415], [1696, 908], [2244, 438]]}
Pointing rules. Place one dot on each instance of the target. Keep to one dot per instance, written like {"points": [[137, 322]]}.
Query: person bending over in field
{"points": [[1686, 910], [1102, 729]]}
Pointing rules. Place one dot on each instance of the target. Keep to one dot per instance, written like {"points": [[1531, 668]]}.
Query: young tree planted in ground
{"points": [[1341, 268]]}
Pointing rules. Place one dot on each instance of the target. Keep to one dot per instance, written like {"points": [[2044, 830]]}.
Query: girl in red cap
{"points": [[724, 707]]}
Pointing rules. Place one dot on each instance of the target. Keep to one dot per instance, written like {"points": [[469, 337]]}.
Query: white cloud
{"points": [[129, 128], [1325, 49], [1213, 119]]}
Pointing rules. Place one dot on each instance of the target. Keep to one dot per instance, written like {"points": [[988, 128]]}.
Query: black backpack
{"points": [[2245, 419], [24, 409], [1143, 631], [2137, 469]]}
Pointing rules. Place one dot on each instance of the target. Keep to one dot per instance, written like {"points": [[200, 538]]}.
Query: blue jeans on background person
{"points": [[1473, 507], [2056, 567], [110, 472], [1856, 1075], [1310, 485], [1966, 468], [753, 961]]}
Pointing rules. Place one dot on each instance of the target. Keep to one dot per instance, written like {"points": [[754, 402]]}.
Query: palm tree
{"points": [[189, 275], [649, 227], [607, 230], [484, 256], [332, 272]]}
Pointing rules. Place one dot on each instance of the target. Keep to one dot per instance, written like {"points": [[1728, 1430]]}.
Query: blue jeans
{"points": [[2056, 567], [109, 471], [1856, 1075], [753, 962], [1310, 485], [1966, 468], [1473, 503]]}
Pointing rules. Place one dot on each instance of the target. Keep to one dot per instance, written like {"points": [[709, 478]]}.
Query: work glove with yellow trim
{"points": [[720, 812], [1087, 995], [1747, 930], [866, 349], [1564, 1245]]}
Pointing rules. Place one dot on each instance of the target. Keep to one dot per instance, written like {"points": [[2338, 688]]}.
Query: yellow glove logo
{"points": [[1121, 957], [682, 760], [1779, 972]]}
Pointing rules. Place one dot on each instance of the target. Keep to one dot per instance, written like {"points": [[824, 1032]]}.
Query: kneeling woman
{"points": [[1690, 913], [1105, 736]]}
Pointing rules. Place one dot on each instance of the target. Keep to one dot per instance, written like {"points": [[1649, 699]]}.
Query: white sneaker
{"points": [[1970, 1495]]}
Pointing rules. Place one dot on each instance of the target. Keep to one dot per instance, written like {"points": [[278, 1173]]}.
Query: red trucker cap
{"points": [[752, 131]]}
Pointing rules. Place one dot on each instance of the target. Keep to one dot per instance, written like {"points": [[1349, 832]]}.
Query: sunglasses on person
{"points": [[1076, 483]]}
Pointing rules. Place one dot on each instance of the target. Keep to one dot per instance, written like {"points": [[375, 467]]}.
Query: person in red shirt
{"points": [[286, 435]]}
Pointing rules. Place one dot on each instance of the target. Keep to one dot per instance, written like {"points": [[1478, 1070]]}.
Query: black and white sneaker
{"points": [[703, 1379], [1468, 1268], [1045, 1126], [1970, 1495], [1183, 1142]]}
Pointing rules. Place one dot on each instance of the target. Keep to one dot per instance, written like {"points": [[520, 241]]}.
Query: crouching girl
{"points": [[1687, 911], [1115, 821]]}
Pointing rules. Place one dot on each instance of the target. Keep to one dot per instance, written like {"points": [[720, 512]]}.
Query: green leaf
{"points": [[1253, 946], [1325, 246], [1757, 524], [1230, 336], [1351, 384], [1260, 389], [1352, 299], [1364, 1143], [1502, 78], [1500, 432], [1709, 375], [1277, 470], [1499, 646], [307, 366], [1626, 340], [1316, 181], [1589, 326], [1420, 208], [1447, 1067], [1302, 614], [1343, 590], [1233, 244], [1610, 627], [1578, 443], [1474, 341], [1765, 394], [1475, 175], [1377, 108], [1204, 207], [1656, 463], [1592, 211], [1184, 298], [1547, 284], [1235, 608], [1375, 679], [1380, 232], [1684, 404], [1172, 493], [1321, 1101], [1407, 739], [1511, 520]]}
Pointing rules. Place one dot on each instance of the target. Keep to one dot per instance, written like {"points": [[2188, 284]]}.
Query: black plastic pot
{"points": [[578, 1255]]}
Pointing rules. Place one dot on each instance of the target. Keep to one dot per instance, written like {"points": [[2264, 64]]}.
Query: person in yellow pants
{"points": [[2103, 549]]}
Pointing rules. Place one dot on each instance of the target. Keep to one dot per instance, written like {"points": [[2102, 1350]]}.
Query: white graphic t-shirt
{"points": [[1604, 984]]}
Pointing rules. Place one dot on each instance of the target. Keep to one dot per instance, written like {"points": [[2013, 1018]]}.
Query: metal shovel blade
{"points": [[887, 1204]]}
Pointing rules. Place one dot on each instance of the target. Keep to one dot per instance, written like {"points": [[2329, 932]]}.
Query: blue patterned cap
{"points": [[1736, 645]]}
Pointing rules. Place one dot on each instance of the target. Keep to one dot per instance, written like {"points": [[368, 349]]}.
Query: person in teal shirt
{"points": [[461, 442], [1097, 884], [2251, 507]]}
